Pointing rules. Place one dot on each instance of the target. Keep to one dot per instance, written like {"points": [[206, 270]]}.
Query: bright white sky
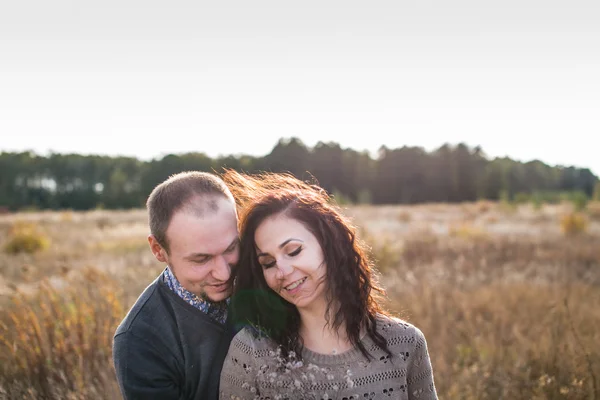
{"points": [[145, 78]]}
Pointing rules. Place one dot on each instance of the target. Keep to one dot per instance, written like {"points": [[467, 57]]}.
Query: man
{"points": [[172, 343]]}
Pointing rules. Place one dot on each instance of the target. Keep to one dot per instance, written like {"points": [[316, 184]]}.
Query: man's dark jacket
{"points": [[167, 349]]}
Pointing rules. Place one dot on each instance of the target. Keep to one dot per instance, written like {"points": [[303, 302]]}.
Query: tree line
{"points": [[407, 175]]}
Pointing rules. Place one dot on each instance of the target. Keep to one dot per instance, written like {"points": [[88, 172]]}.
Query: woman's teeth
{"points": [[295, 284]]}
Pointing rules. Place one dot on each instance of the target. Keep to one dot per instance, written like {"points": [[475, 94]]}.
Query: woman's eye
{"points": [[295, 252], [268, 265]]}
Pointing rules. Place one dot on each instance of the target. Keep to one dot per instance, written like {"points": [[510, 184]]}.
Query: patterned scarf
{"points": [[217, 311]]}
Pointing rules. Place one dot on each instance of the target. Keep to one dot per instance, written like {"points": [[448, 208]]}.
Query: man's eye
{"points": [[295, 252]]}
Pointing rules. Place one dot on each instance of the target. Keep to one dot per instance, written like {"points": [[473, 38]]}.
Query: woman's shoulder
{"points": [[398, 329]]}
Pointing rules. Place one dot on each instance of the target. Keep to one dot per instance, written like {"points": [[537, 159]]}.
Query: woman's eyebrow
{"points": [[280, 246], [289, 240]]}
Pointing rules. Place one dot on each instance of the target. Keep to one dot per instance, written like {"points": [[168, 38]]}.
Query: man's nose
{"points": [[222, 269]]}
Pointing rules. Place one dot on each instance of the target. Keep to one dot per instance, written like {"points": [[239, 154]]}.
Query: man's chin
{"points": [[217, 295]]}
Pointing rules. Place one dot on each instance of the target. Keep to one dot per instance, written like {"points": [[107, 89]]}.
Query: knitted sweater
{"points": [[253, 369]]}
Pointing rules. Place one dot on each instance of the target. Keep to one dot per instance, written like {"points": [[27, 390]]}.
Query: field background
{"points": [[508, 296]]}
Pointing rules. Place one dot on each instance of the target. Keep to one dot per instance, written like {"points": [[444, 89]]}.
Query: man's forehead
{"points": [[207, 205], [198, 229], [211, 249]]}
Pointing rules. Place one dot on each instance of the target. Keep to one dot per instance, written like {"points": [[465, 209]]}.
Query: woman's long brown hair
{"points": [[351, 292]]}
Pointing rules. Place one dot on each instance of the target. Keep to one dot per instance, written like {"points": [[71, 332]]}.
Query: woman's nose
{"points": [[284, 268]]}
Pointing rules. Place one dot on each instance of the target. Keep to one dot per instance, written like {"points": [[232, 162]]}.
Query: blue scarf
{"points": [[217, 311]]}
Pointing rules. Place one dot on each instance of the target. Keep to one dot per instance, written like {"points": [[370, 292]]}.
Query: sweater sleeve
{"points": [[238, 376], [419, 371], [143, 372]]}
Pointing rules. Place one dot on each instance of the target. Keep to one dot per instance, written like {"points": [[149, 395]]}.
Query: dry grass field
{"points": [[508, 297]]}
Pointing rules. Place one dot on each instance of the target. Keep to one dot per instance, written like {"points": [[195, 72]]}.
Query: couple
{"points": [[303, 320]]}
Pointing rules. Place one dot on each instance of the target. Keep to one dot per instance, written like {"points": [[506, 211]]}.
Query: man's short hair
{"points": [[178, 192]]}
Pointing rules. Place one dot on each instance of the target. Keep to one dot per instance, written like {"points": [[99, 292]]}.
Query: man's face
{"points": [[204, 249]]}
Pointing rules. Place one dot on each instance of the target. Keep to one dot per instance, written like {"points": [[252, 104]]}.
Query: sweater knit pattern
{"points": [[255, 369]]}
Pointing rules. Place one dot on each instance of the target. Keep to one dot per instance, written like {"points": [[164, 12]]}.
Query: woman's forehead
{"points": [[277, 230]]}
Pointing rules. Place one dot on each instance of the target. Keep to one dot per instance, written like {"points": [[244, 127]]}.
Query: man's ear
{"points": [[159, 252]]}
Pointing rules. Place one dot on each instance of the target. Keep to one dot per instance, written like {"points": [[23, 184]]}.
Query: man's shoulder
{"points": [[148, 307]]}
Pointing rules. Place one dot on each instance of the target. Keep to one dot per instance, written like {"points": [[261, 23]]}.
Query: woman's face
{"points": [[292, 261]]}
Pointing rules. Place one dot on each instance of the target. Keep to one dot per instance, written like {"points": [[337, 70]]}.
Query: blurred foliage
{"points": [[574, 224], [25, 237], [404, 175], [596, 195], [593, 210]]}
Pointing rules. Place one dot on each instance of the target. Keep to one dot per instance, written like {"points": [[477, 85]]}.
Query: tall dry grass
{"points": [[510, 341], [56, 344], [508, 301]]}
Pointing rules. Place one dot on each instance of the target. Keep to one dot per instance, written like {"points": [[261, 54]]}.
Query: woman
{"points": [[304, 292]]}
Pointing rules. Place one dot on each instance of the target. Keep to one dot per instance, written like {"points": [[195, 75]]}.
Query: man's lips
{"points": [[219, 287]]}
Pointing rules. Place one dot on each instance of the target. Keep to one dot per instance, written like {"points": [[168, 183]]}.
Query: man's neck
{"points": [[216, 310]]}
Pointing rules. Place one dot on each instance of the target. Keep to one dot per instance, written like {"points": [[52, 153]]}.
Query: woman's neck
{"points": [[320, 337]]}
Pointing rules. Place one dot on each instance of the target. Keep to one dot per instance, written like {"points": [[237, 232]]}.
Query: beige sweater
{"points": [[254, 369]]}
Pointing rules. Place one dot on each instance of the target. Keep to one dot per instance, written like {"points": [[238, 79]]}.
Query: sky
{"points": [[148, 78]]}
